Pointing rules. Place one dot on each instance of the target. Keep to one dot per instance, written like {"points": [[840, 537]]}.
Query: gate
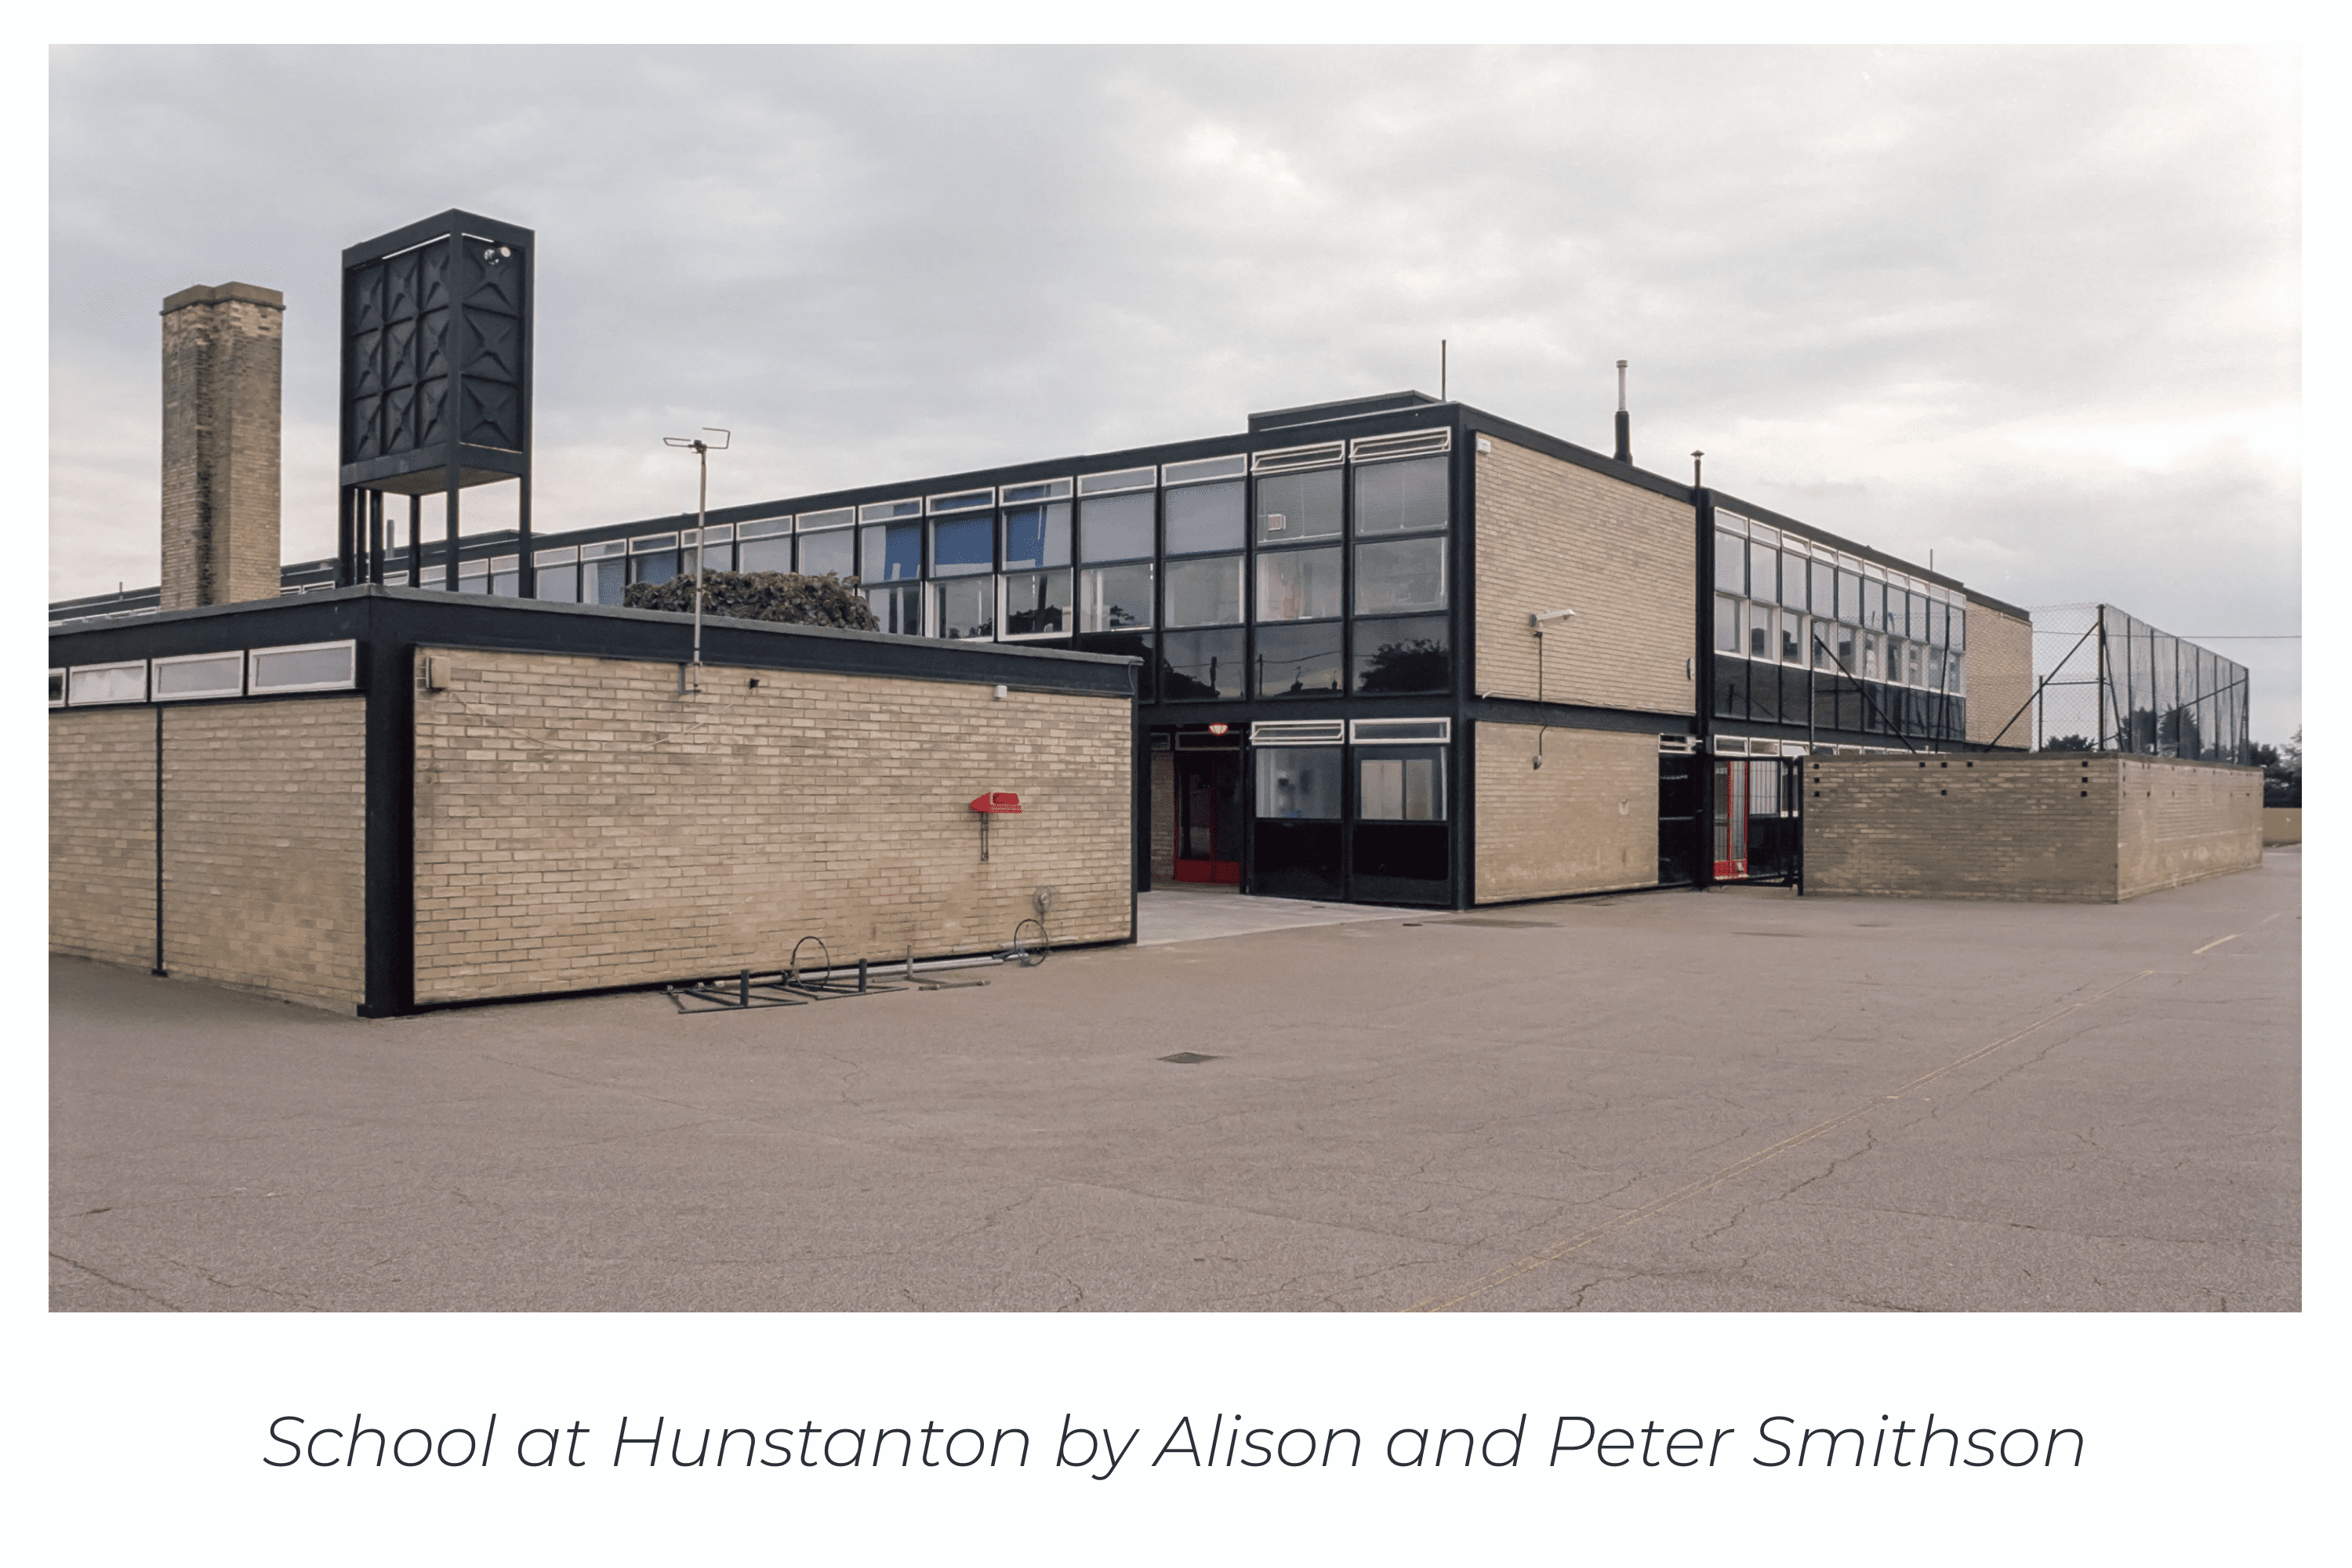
{"points": [[1759, 819]]}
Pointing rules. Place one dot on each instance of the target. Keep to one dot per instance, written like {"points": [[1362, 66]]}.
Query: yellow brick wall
{"points": [[1999, 662], [1553, 536], [2183, 822], [1585, 822], [579, 823], [102, 835], [1163, 816], [264, 854], [2059, 827]]}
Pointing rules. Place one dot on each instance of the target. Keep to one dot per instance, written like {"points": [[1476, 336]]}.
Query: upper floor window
{"points": [[1399, 496]]}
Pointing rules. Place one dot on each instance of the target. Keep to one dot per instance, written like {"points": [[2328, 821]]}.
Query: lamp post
{"points": [[702, 450]]}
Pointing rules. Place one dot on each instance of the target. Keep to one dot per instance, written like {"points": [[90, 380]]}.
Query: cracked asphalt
{"points": [[1732, 1101]]}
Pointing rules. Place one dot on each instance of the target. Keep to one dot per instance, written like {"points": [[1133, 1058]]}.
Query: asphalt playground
{"points": [[1736, 1101]]}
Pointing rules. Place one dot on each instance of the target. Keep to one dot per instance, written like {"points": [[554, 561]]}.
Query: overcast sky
{"points": [[2035, 310]]}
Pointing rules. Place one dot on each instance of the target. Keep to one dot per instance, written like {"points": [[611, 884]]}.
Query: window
{"points": [[964, 607], [830, 554], [1404, 443], [770, 553], [1793, 581], [1726, 624], [1730, 564], [1824, 588], [1206, 593], [1959, 629], [1400, 575], [1299, 781], [603, 572], [1036, 490], [1117, 528], [1037, 536], [1848, 597], [1298, 584], [1372, 732], [1294, 507], [889, 511], [1298, 661], [893, 553], [1402, 656], [1394, 498], [125, 682], [1914, 663], [56, 689], [1868, 669], [472, 576], [1763, 628], [1124, 480], [1201, 468], [1114, 598], [818, 521], [1038, 604], [1203, 665], [964, 546], [1792, 638], [655, 566], [898, 608], [303, 667], [717, 548], [506, 576], [1763, 572], [1934, 670], [1205, 517], [556, 576], [1407, 786], [1842, 644], [199, 675], [964, 501], [1297, 732]]}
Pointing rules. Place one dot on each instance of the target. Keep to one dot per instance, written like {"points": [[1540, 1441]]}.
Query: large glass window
{"points": [[1395, 498], [898, 609], [1763, 572], [1726, 624], [1038, 604], [964, 607], [772, 553], [506, 576], [1824, 588], [1114, 598], [1730, 564], [829, 554], [1959, 629], [893, 553], [963, 547], [603, 582], [1934, 670], [1037, 536], [1205, 517], [1915, 659], [1792, 638], [555, 576], [1292, 507], [654, 566], [1298, 661], [1298, 584], [1206, 593], [1405, 654], [1792, 580], [1299, 781], [1873, 605], [1400, 575], [1849, 609], [1763, 631], [474, 576], [1400, 787], [1202, 665], [1116, 528]]}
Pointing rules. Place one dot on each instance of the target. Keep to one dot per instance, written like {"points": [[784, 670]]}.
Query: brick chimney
{"points": [[222, 370]]}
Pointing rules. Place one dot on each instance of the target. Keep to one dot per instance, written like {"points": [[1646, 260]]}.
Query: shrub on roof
{"points": [[792, 597]]}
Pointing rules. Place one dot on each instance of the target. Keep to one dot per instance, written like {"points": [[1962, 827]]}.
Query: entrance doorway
{"points": [[1209, 817], [1757, 824]]}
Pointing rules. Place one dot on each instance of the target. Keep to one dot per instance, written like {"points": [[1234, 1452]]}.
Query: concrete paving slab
{"points": [[1739, 1100], [1169, 914]]}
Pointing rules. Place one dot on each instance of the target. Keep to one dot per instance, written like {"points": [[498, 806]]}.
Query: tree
{"points": [[2281, 768], [787, 597], [2067, 743]]}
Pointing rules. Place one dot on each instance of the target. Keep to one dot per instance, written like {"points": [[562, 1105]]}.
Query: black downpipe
{"points": [[1703, 698], [158, 970]]}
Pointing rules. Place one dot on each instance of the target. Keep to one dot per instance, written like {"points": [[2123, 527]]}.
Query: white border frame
{"points": [[1292, 459], [1175, 474], [1403, 444], [146, 683], [156, 687], [1357, 737], [1149, 480], [1298, 732]]}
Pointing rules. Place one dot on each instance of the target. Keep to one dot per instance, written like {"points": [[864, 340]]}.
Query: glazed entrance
{"points": [[1209, 817]]}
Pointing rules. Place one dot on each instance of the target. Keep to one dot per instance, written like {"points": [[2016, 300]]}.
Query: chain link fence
{"points": [[2105, 681]]}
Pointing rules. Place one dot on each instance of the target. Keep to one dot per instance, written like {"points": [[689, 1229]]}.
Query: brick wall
{"points": [[2183, 822], [2000, 660], [263, 844], [579, 823], [1163, 816], [1585, 822], [1553, 536], [2056, 827], [102, 835], [222, 370], [265, 862]]}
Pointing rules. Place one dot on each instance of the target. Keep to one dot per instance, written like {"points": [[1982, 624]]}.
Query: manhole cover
{"points": [[1187, 1058], [1510, 925]]}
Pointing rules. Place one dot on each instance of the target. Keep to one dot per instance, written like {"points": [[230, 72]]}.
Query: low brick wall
{"points": [[579, 823], [2282, 825], [1585, 822], [2064, 827]]}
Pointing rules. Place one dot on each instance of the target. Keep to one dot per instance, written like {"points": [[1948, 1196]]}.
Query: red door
{"points": [[1730, 819], [1209, 817]]}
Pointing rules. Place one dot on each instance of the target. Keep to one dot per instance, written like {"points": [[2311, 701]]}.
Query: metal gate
{"points": [[1759, 819]]}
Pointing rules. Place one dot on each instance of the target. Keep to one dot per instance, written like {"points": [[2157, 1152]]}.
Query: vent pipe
{"points": [[1624, 420]]}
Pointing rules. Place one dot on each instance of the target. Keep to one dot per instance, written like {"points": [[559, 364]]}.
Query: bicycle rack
{"points": [[720, 996], [820, 990]]}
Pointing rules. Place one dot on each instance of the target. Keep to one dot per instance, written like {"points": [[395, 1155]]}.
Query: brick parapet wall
{"points": [[1554, 536], [1586, 822], [2058, 827], [1999, 666], [579, 823]]}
